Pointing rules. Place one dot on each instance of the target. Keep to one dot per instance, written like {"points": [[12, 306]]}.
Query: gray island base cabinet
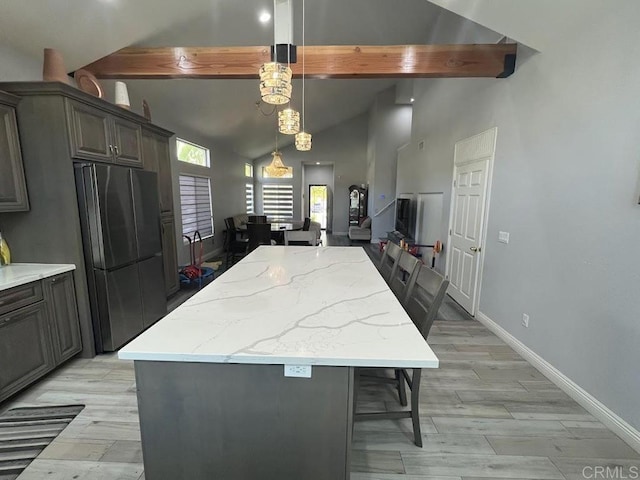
{"points": [[38, 330], [241, 422]]}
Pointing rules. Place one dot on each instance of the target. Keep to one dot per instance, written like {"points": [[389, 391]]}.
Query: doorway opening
{"points": [[319, 204]]}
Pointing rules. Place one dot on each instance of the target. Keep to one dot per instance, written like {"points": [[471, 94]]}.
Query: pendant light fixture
{"points": [[303, 139], [289, 121], [276, 168], [275, 77]]}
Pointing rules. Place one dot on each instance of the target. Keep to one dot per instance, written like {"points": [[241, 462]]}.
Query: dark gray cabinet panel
{"points": [[164, 175], [169, 255], [20, 296], [149, 156], [26, 352], [90, 135], [127, 142], [13, 189], [61, 300]]}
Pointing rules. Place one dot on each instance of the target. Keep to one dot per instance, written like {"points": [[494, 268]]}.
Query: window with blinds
{"points": [[195, 204], [248, 193], [277, 202]]}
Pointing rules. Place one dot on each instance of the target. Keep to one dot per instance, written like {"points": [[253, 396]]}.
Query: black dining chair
{"points": [[422, 301], [233, 246], [257, 219], [259, 234]]}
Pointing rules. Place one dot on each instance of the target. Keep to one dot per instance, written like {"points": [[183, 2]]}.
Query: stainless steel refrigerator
{"points": [[120, 218]]}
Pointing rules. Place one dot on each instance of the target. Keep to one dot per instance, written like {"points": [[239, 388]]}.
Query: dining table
{"points": [[277, 230], [254, 376]]}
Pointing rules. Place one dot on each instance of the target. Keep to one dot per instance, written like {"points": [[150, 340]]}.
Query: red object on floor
{"points": [[382, 245]]}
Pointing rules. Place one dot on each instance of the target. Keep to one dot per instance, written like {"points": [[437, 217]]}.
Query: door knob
{"points": [[475, 249]]}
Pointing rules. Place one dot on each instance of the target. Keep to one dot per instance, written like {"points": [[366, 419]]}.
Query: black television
{"points": [[403, 216]]}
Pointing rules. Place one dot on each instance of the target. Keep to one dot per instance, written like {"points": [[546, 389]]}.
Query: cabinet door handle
{"points": [[111, 149], [116, 148], [54, 280]]}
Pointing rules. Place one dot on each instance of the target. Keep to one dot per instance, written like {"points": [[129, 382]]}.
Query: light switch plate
{"points": [[503, 237], [300, 371]]}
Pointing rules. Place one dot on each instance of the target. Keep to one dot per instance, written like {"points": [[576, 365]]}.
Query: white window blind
{"points": [[249, 197], [195, 205], [277, 201]]}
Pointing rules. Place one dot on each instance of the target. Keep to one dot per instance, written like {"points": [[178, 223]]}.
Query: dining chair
{"points": [[300, 237], [422, 302], [403, 274], [424, 297], [257, 219], [259, 234], [390, 257], [316, 227], [233, 246]]}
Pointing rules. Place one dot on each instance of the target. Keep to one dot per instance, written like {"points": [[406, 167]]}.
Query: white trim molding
{"points": [[621, 428]]}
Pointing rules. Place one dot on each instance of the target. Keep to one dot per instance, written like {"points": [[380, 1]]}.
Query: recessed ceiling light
{"points": [[412, 99], [317, 163], [264, 17]]}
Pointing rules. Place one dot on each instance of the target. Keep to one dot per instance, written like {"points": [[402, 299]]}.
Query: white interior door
{"points": [[473, 159]]}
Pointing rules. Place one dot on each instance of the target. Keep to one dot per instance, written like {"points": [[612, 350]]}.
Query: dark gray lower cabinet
{"points": [[37, 337], [60, 297], [26, 352]]}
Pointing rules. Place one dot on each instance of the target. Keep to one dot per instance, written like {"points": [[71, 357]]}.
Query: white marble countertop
{"points": [[18, 274], [292, 306]]}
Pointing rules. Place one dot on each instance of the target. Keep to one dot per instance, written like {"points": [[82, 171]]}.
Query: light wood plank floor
{"points": [[486, 413]]}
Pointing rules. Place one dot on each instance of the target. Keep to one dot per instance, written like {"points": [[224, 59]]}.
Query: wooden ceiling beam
{"points": [[340, 61]]}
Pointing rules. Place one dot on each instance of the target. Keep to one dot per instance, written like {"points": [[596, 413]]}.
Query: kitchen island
{"points": [[253, 377]]}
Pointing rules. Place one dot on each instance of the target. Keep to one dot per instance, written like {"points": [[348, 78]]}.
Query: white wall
{"points": [[389, 129], [344, 145], [16, 66], [566, 185]]}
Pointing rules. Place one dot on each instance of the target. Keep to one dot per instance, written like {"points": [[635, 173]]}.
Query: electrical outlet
{"points": [[300, 371], [503, 237], [525, 320]]}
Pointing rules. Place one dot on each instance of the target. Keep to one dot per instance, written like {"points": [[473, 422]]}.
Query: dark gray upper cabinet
{"points": [[155, 153], [13, 189], [61, 299], [127, 142], [89, 129], [102, 137]]}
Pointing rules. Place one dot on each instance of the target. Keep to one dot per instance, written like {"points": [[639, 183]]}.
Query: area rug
{"points": [[25, 432]]}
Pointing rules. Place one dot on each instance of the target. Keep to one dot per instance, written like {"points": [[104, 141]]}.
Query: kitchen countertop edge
{"points": [[18, 274]]}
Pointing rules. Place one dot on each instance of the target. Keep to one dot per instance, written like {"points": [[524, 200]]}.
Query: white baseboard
{"points": [[591, 404]]}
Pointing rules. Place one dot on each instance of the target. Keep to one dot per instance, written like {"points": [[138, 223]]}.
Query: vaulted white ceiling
{"points": [[224, 110]]}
